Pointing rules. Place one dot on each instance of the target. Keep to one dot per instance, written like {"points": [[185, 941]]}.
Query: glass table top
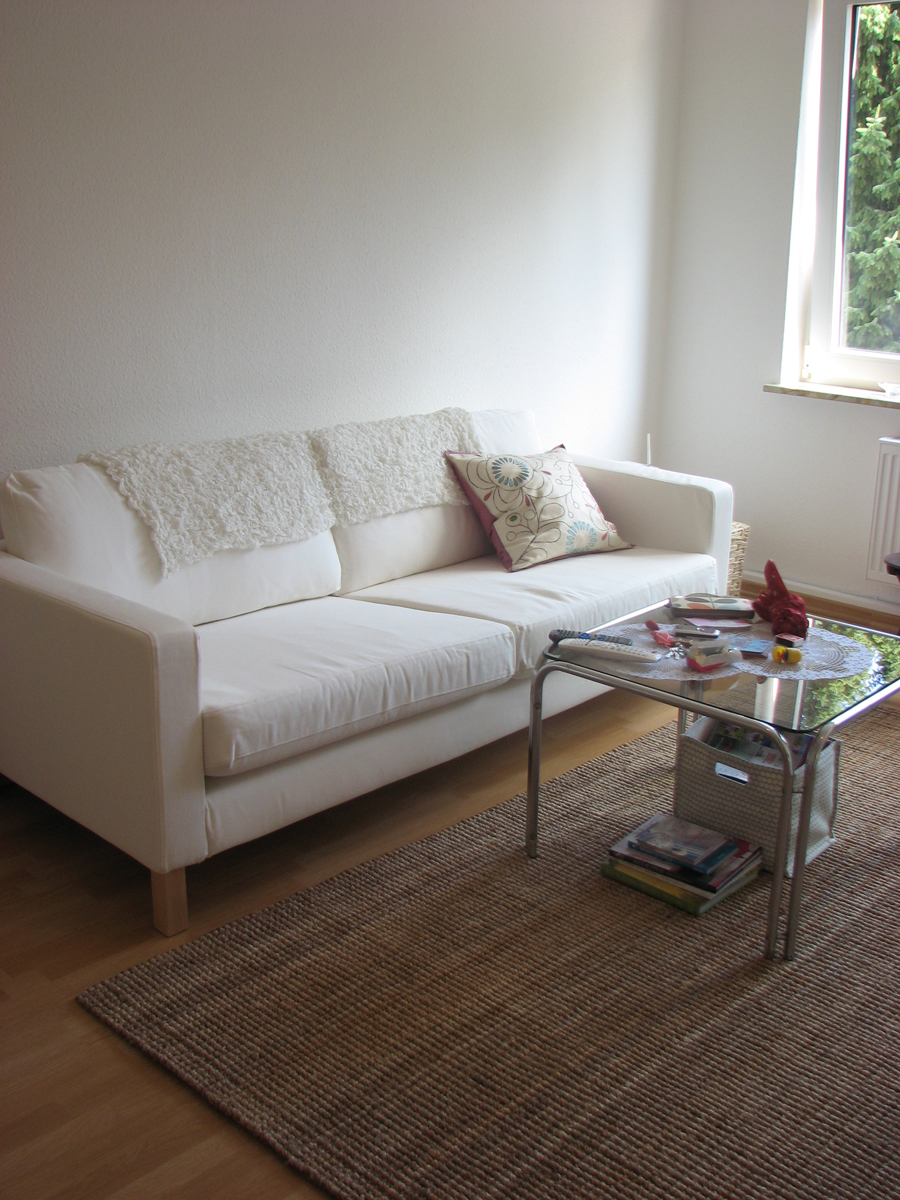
{"points": [[780, 699]]}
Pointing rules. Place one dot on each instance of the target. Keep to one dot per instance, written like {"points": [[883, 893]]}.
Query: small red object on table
{"points": [[786, 610], [659, 635]]}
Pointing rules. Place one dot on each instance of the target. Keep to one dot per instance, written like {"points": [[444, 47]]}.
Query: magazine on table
{"points": [[744, 743], [756, 747]]}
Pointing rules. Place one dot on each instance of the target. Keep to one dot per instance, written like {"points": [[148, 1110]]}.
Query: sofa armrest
{"points": [[664, 509], [100, 713]]}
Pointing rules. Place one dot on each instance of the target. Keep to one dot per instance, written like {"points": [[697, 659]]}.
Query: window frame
{"points": [[813, 353]]}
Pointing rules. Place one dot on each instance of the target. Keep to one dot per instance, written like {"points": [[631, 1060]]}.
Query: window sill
{"points": [[830, 391]]}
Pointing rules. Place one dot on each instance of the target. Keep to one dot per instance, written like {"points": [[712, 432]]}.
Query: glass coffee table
{"points": [[846, 670]]}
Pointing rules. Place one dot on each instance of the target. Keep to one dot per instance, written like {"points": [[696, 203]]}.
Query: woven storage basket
{"points": [[739, 535], [749, 811]]}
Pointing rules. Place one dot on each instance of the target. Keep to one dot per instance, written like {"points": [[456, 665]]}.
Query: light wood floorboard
{"points": [[82, 1114]]}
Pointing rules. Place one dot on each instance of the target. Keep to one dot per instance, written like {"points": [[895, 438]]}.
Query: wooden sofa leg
{"points": [[170, 911]]}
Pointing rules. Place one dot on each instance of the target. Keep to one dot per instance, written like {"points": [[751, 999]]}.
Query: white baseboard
{"points": [[874, 603]]}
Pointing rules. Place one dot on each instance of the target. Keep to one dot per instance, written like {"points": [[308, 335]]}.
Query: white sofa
{"points": [[180, 716]]}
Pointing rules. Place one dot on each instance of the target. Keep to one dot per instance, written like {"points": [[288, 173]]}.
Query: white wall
{"points": [[229, 216], [803, 470]]}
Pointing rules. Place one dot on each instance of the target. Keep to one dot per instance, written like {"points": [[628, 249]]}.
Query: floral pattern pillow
{"points": [[534, 508]]}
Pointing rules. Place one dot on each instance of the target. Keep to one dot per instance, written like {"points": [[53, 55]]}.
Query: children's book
{"points": [[678, 841], [738, 857], [704, 604], [671, 890]]}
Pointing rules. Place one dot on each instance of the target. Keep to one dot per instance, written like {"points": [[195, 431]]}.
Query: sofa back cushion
{"points": [[407, 543], [424, 539], [72, 520]]}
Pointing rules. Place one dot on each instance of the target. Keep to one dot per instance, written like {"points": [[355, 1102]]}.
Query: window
{"points": [[869, 313], [843, 315]]}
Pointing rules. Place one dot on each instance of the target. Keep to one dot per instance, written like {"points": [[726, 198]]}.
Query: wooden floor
{"points": [[84, 1115]]}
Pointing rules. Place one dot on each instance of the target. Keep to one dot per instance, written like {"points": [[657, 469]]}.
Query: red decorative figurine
{"points": [[786, 610]]}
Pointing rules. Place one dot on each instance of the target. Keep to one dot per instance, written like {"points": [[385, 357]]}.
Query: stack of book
{"points": [[682, 863]]}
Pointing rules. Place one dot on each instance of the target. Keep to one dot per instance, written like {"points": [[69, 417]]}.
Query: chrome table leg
{"points": [[534, 759], [809, 783], [781, 844]]}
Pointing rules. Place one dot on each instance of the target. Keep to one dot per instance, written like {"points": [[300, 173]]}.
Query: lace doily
{"points": [[379, 468], [231, 494], [826, 655]]}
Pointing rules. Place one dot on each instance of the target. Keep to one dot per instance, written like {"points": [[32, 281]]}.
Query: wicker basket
{"points": [[739, 535], [748, 807]]}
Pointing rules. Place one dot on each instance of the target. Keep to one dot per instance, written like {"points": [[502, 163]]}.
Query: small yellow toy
{"points": [[786, 654]]}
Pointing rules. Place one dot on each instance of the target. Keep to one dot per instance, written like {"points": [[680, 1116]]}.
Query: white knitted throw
{"points": [[239, 493], [378, 468], [233, 494]]}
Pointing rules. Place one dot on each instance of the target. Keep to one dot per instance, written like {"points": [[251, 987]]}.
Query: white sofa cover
{"points": [[179, 715], [285, 680], [570, 593]]}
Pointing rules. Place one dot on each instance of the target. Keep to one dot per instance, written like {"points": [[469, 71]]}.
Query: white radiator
{"points": [[885, 536]]}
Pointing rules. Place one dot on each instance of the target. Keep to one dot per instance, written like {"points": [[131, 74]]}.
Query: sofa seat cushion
{"points": [[280, 681], [568, 593]]}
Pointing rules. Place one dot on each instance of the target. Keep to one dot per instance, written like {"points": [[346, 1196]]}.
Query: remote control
{"points": [[609, 650], [558, 635]]}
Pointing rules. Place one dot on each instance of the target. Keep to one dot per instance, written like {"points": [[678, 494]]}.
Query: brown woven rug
{"points": [[454, 1020]]}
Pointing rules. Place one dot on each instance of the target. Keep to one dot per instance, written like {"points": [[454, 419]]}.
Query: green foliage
{"points": [[872, 234]]}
